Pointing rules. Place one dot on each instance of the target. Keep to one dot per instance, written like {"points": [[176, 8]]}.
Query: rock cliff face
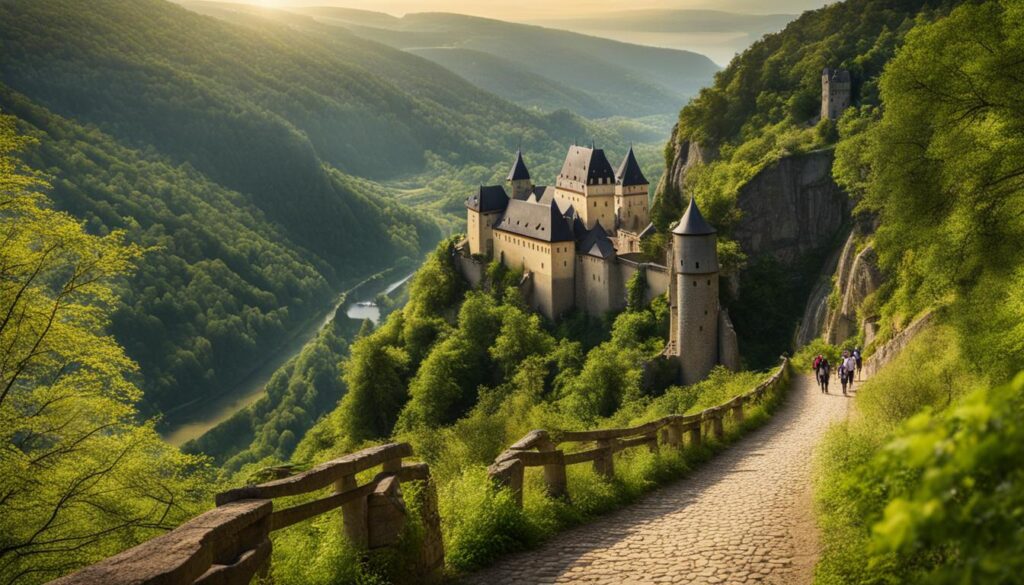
{"points": [[816, 313], [728, 343], [686, 154], [792, 209], [858, 277]]}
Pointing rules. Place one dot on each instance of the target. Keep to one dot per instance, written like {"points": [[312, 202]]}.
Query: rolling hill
{"points": [[628, 80]]}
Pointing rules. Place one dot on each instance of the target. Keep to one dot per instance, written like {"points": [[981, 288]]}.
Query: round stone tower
{"points": [[695, 272]]}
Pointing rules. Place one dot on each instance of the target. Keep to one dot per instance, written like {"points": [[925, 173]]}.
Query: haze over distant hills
{"points": [[714, 33], [529, 65]]}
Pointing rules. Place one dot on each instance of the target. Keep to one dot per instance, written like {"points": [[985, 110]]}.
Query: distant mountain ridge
{"points": [[628, 79], [718, 34]]}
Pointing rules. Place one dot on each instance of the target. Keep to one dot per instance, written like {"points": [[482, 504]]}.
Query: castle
{"points": [[835, 93], [578, 244]]}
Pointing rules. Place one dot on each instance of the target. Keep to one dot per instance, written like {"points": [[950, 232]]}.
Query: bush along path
{"points": [[747, 517]]}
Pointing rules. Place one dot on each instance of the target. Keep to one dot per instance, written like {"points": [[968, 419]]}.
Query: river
{"points": [[192, 421]]}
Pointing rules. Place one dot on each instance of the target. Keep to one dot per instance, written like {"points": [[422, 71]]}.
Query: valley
{"points": [[313, 294]]}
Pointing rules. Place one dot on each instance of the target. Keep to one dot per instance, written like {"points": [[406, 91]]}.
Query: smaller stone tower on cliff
{"points": [[693, 296], [835, 93], [520, 184]]}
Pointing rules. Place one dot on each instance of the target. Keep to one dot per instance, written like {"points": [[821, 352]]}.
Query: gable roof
{"points": [[488, 198], [596, 243], [629, 173], [535, 220], [693, 223], [518, 172], [586, 165]]}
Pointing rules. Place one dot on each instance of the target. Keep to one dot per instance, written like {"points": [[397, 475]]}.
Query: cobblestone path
{"points": [[744, 517]]}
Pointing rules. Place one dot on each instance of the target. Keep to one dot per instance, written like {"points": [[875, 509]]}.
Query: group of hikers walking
{"points": [[849, 367]]}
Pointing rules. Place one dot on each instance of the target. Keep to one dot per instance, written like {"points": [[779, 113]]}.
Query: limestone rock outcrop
{"points": [[816, 313], [857, 278], [686, 154], [792, 208], [728, 343]]}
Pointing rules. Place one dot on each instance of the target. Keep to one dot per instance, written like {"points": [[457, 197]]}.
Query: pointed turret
{"points": [[693, 223], [519, 178], [629, 173]]}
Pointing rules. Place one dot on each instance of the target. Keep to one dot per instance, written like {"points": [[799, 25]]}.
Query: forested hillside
{"points": [[243, 156], [923, 483], [619, 78], [80, 478], [929, 473], [764, 107]]}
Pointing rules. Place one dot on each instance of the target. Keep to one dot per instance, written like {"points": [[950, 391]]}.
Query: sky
{"points": [[527, 10]]}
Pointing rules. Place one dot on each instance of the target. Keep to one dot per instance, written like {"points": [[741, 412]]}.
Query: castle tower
{"points": [[483, 209], [631, 195], [693, 298], [518, 179], [835, 93], [587, 182]]}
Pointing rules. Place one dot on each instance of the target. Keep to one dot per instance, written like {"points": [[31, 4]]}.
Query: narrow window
{"points": [[709, 282], [698, 266], [695, 283]]}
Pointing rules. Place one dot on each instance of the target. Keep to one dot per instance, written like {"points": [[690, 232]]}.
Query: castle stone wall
{"points": [[551, 265], [596, 283]]}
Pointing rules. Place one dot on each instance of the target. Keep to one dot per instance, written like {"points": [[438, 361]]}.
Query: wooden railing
{"points": [[231, 543], [540, 448]]}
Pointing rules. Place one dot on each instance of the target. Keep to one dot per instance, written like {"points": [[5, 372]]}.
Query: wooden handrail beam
{"points": [[320, 476]]}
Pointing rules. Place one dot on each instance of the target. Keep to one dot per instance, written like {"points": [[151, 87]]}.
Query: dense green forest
{"points": [[243, 156], [80, 478], [926, 484], [764, 106]]}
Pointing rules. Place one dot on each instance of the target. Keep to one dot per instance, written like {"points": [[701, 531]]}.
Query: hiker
{"points": [[851, 368], [817, 360], [842, 371], [822, 372], [860, 362]]}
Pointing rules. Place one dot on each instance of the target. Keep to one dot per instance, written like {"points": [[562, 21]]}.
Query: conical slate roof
{"points": [[518, 171], [629, 173], [693, 223]]}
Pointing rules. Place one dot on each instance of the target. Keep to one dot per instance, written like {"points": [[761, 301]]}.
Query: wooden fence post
{"points": [[674, 435], [737, 411], [652, 442], [353, 513], [604, 464], [385, 514], [717, 424], [509, 473], [554, 473]]}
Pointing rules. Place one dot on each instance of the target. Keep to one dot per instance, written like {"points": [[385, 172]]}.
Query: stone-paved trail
{"points": [[744, 517]]}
